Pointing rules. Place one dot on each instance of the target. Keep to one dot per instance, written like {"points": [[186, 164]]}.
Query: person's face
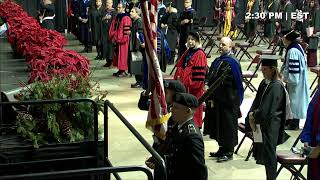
{"points": [[109, 4], [98, 3], [225, 46], [179, 112], [286, 42], [192, 42], [267, 72], [311, 4], [120, 8], [169, 95], [187, 3], [133, 13], [46, 1]]}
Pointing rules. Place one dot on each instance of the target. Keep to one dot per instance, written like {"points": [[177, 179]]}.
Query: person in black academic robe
{"points": [[250, 26], [223, 106], [187, 21], [95, 27], [47, 14], [72, 19], [61, 15], [107, 46], [270, 23], [169, 25], [84, 34], [136, 45], [285, 23], [269, 111]]}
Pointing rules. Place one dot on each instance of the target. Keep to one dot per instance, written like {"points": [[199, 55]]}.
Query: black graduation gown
{"points": [[47, 11], [95, 24], [240, 12], [83, 12], [135, 67], [269, 108], [107, 45], [185, 156], [222, 109], [171, 32], [73, 20], [186, 28], [61, 15]]}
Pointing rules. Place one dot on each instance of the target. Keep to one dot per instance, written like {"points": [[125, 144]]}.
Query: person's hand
{"points": [[185, 21], [89, 29], [80, 19], [84, 20], [150, 163], [315, 153], [277, 24], [143, 45], [306, 144]]}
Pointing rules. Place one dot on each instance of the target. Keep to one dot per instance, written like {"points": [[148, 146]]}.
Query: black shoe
{"points": [[108, 64], [291, 127], [122, 74], [225, 157], [136, 85], [85, 50], [97, 58], [215, 154], [116, 74]]}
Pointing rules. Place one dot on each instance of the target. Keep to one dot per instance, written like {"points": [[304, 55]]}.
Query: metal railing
{"points": [[78, 173], [157, 157]]}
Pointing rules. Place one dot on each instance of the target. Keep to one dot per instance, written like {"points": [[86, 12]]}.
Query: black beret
{"points": [[195, 35], [186, 99], [292, 35], [175, 85], [269, 62]]}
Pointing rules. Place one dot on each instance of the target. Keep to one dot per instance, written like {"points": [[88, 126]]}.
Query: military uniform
{"points": [[185, 156]]}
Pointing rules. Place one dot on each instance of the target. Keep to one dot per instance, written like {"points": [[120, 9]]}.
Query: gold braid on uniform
{"points": [[250, 5]]}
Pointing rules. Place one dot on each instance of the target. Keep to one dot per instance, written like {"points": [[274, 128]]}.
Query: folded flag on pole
{"points": [[158, 114]]}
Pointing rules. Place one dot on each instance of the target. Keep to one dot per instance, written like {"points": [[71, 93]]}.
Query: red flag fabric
{"points": [[158, 114]]}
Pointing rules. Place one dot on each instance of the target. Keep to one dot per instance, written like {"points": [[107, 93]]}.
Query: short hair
{"points": [[138, 10]]}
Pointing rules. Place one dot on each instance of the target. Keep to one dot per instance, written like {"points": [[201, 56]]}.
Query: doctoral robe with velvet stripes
{"points": [[191, 71], [295, 73]]}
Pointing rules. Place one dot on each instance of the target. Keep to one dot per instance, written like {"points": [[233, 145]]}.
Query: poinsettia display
{"points": [[42, 48]]}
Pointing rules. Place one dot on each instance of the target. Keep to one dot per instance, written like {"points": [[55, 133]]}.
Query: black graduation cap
{"points": [[269, 62], [171, 4], [195, 35], [186, 99], [175, 85], [292, 35]]}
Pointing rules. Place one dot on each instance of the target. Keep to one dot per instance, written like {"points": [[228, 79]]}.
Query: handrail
{"points": [[158, 158], [32, 102], [78, 172]]}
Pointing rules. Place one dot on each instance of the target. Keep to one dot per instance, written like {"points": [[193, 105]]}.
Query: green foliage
{"points": [[52, 123]]}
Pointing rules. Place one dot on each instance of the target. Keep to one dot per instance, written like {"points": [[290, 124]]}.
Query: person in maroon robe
{"points": [[119, 33], [191, 71]]}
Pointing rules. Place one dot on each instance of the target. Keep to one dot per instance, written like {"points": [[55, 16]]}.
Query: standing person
{"points": [[107, 45], [191, 71], [313, 21], [270, 23], [185, 156], [251, 23], [47, 14], [223, 106], [295, 75], [119, 33], [229, 15], [269, 112], [169, 25], [161, 10], [84, 34], [285, 24], [137, 44], [187, 22], [310, 136], [72, 20], [95, 27]]}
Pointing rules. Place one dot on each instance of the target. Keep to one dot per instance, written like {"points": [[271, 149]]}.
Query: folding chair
{"points": [[271, 50], [316, 70], [247, 76], [244, 46], [202, 23], [241, 128], [289, 159]]}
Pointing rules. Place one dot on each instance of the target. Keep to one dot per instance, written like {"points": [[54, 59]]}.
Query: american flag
{"points": [[158, 114]]}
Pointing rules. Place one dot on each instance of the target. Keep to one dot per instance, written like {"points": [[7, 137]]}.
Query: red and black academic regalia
{"points": [[191, 71], [311, 134], [119, 33]]}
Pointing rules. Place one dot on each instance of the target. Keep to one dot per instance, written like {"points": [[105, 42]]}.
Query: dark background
{"points": [[203, 8]]}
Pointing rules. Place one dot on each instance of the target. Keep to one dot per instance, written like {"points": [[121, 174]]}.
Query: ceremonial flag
{"points": [[158, 114]]}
